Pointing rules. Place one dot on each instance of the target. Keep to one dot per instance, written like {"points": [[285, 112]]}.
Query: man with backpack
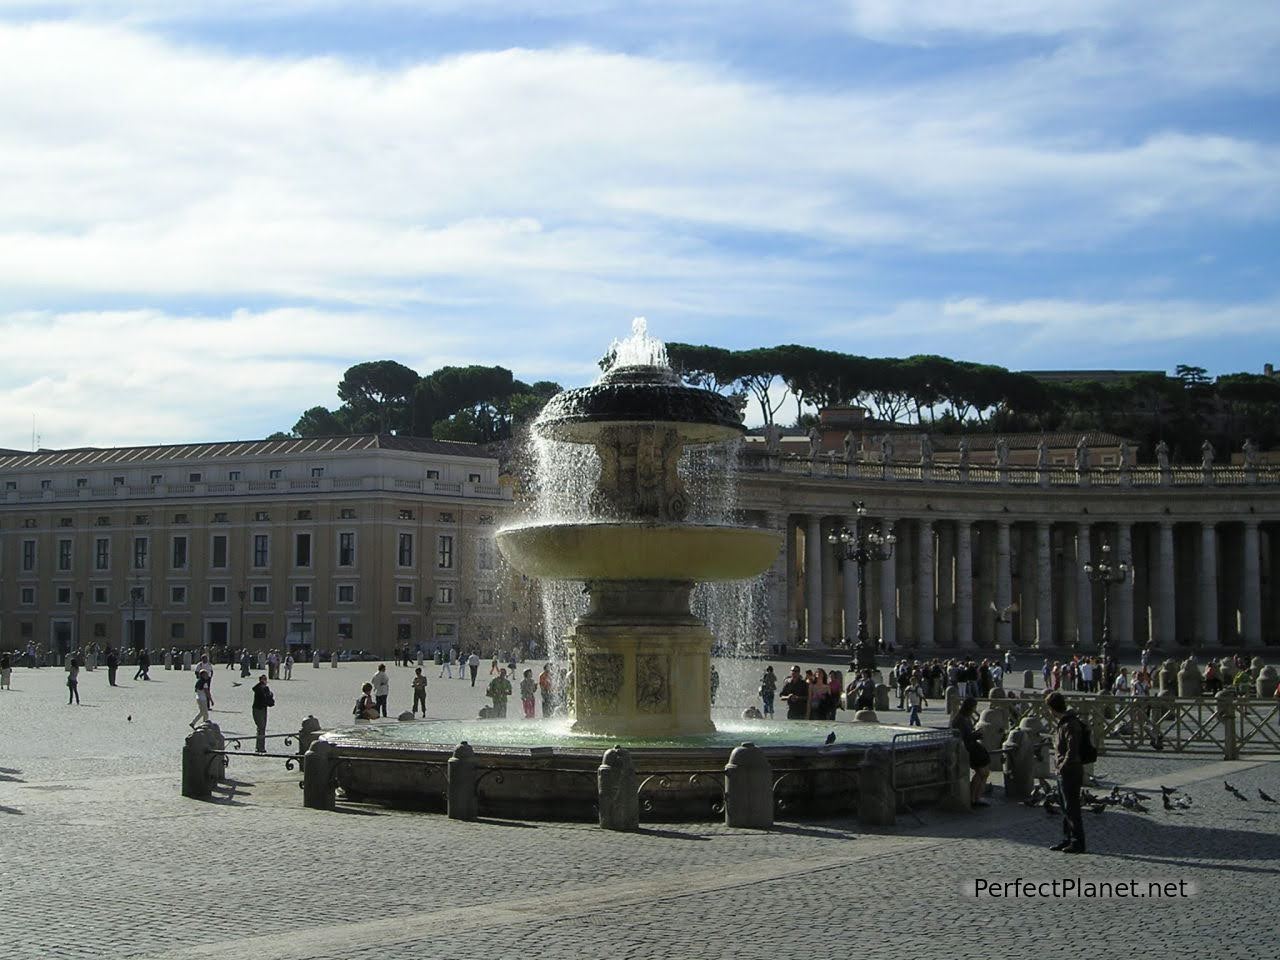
{"points": [[1072, 749]]}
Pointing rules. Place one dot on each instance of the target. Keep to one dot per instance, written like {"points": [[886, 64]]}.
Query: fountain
{"points": [[639, 659]]}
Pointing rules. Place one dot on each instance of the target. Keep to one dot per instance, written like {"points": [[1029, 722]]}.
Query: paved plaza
{"points": [[100, 856]]}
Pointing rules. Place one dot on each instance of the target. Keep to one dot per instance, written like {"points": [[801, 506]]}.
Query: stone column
{"points": [[1084, 588], [1208, 584], [1122, 609], [944, 583], [813, 579], [888, 594], [1251, 589], [1166, 585], [1044, 584], [779, 581], [924, 585], [1004, 585], [964, 583], [850, 576], [830, 587]]}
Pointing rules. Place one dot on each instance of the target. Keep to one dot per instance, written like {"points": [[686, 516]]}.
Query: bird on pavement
{"points": [[1099, 808], [1233, 791], [1266, 796], [831, 738], [129, 718], [1164, 797]]}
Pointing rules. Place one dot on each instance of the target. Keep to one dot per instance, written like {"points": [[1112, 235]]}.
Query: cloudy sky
{"points": [[209, 210]]}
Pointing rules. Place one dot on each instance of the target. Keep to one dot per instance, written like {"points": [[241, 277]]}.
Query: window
{"points": [[194, 478], [141, 546], [302, 549], [486, 597], [262, 516], [301, 593], [406, 514], [345, 631], [65, 522], [181, 518], [485, 520], [259, 631], [261, 550], [444, 595], [219, 518], [157, 478], [485, 559], [260, 593], [28, 555], [317, 472], [446, 629], [218, 594], [433, 474], [46, 484], [26, 628], [63, 595], [179, 553], [473, 478], [444, 552], [304, 514], [347, 514], [30, 523], [404, 555], [102, 522], [102, 553], [28, 595], [233, 475], [11, 484], [346, 593], [141, 520], [177, 594], [100, 630], [346, 549], [100, 595], [82, 482], [275, 474], [218, 553], [446, 518], [177, 631], [117, 481], [64, 555], [404, 593]]}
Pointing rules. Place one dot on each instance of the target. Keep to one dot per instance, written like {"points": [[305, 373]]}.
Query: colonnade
{"points": [[969, 582]]}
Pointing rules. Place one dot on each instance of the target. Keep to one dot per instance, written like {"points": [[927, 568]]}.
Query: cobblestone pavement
{"points": [[101, 857]]}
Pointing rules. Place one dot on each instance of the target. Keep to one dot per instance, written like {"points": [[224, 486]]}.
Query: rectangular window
{"points": [[259, 631], [233, 476], [46, 484], [346, 593], [141, 547], [141, 520], [444, 552], [100, 595], [66, 522], [446, 629], [179, 553], [405, 552], [345, 631], [181, 518], [261, 550], [30, 523], [485, 558], [262, 516], [194, 478], [347, 514], [301, 593], [446, 518], [99, 630], [404, 593], [406, 514], [473, 478], [28, 595], [177, 594], [82, 482], [177, 631], [102, 553], [218, 553], [317, 472], [261, 593], [433, 474], [444, 595], [218, 594], [28, 555], [117, 481], [346, 549], [11, 484], [63, 595], [302, 550], [157, 478], [275, 474], [486, 597], [64, 555], [220, 518], [102, 522], [304, 514]]}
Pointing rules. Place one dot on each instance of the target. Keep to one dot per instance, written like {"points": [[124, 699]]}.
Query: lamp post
{"points": [[240, 631], [862, 546], [79, 617], [1105, 573], [135, 594]]}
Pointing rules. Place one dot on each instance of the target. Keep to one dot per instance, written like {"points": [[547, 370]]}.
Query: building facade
{"points": [[362, 542]]}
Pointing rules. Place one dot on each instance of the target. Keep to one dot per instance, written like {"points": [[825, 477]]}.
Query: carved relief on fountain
{"points": [[640, 475]]}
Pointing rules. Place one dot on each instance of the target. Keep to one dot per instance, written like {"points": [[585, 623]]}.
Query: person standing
{"points": [[73, 681], [381, 688], [473, 665], [419, 684], [288, 666], [6, 671], [203, 699], [144, 665], [545, 683], [915, 700], [262, 700], [498, 691], [979, 759], [768, 690], [113, 664], [446, 664], [244, 662], [528, 692], [796, 694], [1068, 763]]}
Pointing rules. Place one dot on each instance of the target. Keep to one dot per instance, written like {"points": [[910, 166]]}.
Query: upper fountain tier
{"points": [[640, 390]]}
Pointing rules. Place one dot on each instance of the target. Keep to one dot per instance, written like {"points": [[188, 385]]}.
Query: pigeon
{"points": [[1266, 796], [1164, 797], [129, 718], [1233, 791], [1099, 808], [1004, 614], [234, 684], [1167, 790], [1183, 803], [831, 738]]}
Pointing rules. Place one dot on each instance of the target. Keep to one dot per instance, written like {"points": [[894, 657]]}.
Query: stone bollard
{"points": [[1019, 763], [317, 775], [315, 660], [866, 716], [1190, 681], [186, 660], [616, 791], [168, 660], [308, 734], [201, 771], [877, 804], [958, 796], [1168, 676], [333, 659], [1042, 749], [1029, 679], [991, 728], [748, 789], [1226, 701], [952, 700], [1256, 665], [882, 697], [460, 793], [1265, 685]]}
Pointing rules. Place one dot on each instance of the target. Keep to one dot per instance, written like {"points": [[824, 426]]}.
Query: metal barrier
{"points": [[933, 763]]}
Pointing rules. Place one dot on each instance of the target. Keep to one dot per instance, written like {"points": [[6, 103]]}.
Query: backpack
{"points": [[1088, 752]]}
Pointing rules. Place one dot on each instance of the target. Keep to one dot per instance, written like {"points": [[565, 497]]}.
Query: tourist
{"points": [[1086, 676], [1068, 763], [528, 689], [498, 691], [1121, 685], [73, 682], [864, 692], [113, 664], [768, 690], [419, 684], [835, 687], [455, 660], [473, 665], [203, 699], [245, 661], [979, 758], [381, 688], [915, 700], [545, 684], [446, 665], [263, 698], [144, 665], [1045, 672], [796, 694], [6, 671], [366, 706], [288, 665]]}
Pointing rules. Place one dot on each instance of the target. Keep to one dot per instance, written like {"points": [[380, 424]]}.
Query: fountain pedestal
{"points": [[641, 662]]}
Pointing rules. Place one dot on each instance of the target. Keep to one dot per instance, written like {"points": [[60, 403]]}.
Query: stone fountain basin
{"points": [[639, 551]]}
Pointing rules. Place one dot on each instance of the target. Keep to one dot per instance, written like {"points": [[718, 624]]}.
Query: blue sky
{"points": [[209, 210]]}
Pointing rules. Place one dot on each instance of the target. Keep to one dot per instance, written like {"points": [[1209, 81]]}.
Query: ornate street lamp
{"points": [[862, 546], [1105, 573]]}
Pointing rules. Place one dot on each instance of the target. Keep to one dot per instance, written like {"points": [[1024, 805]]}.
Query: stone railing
{"points": [[826, 466]]}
